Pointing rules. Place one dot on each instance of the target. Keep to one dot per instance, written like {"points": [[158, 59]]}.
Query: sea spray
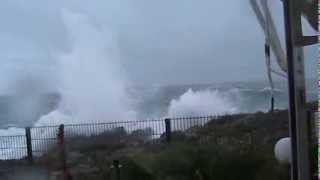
{"points": [[91, 83], [201, 103]]}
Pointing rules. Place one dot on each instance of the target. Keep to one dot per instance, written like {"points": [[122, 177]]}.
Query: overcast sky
{"points": [[160, 42]]}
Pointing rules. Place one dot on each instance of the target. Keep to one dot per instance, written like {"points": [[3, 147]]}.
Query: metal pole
{"points": [[29, 144], [168, 129], [292, 114], [300, 167], [272, 104], [61, 145]]}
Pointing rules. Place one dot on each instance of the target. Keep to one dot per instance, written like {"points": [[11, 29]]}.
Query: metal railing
{"points": [[40, 140], [12, 147]]}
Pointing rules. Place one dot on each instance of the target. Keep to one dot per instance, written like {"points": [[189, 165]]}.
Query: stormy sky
{"points": [[160, 42]]}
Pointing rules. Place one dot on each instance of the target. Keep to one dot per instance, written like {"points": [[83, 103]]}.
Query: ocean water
{"points": [[162, 101], [148, 102], [215, 98]]}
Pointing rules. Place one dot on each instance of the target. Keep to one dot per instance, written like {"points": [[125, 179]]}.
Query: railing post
{"points": [[168, 129], [62, 151], [272, 104], [29, 144], [60, 143]]}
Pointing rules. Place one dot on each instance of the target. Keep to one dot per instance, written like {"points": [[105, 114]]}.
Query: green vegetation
{"points": [[231, 147], [228, 148], [191, 161]]}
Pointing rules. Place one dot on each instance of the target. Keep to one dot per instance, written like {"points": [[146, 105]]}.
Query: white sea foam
{"points": [[200, 103]]}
